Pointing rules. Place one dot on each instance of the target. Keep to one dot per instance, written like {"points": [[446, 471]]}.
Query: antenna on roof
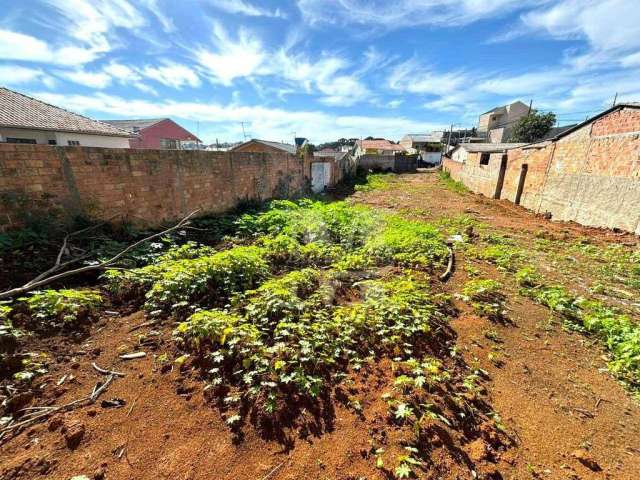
{"points": [[615, 99], [243, 132]]}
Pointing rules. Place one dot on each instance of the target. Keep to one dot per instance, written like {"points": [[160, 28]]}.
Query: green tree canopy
{"points": [[533, 127]]}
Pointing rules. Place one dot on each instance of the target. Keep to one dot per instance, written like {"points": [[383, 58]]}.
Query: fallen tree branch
{"points": [[58, 265], [101, 265], [445, 276], [40, 413]]}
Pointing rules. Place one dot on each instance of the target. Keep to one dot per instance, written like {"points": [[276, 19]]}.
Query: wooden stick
{"points": [[449, 270]]}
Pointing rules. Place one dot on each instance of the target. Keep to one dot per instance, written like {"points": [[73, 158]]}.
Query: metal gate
{"points": [[320, 176]]}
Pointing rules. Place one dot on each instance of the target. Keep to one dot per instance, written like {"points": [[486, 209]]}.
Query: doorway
{"points": [[320, 176], [501, 173], [523, 175]]}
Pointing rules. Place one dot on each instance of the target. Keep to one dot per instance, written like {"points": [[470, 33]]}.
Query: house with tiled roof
{"points": [[157, 133], [24, 119], [256, 146], [377, 147]]}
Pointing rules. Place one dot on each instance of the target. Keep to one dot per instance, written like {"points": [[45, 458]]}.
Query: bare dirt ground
{"points": [[567, 416]]}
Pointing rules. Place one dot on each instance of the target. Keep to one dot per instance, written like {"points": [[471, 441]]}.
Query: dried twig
{"points": [[40, 413], [106, 372], [44, 281], [274, 470]]}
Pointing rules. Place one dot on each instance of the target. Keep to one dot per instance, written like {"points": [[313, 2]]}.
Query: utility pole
{"points": [[449, 139], [530, 105]]}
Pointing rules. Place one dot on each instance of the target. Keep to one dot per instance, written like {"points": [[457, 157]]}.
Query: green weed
{"points": [[61, 307], [485, 297], [451, 184]]}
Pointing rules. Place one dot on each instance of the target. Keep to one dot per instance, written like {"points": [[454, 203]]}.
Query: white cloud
{"points": [[245, 8], [410, 76], [406, 13], [18, 46], [231, 58], [606, 24], [15, 74], [172, 74], [269, 123], [97, 80]]}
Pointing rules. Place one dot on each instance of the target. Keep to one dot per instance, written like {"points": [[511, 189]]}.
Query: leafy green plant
{"points": [[61, 307], [485, 297]]}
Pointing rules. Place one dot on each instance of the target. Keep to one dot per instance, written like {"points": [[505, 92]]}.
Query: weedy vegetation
{"points": [[451, 184]]}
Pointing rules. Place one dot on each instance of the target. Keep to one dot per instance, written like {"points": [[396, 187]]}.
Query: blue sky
{"points": [[321, 69]]}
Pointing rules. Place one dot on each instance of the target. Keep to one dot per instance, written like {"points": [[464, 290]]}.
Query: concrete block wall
{"points": [[147, 187]]}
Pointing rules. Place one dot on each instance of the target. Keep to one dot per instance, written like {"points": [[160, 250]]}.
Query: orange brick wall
{"points": [[145, 186], [453, 168], [591, 176], [537, 160]]}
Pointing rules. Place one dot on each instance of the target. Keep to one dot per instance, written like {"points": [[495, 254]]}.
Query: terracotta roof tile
{"points": [[20, 111]]}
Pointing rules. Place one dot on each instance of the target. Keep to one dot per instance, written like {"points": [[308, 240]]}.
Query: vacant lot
{"points": [[334, 340]]}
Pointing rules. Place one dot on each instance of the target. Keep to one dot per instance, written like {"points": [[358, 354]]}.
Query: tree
{"points": [[533, 127]]}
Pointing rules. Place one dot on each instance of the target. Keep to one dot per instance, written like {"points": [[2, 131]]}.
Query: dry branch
{"points": [[41, 281], [40, 413]]}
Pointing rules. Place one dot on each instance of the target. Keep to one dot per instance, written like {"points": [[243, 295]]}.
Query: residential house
{"points": [[497, 124], [24, 119], [157, 133], [589, 173], [418, 142], [427, 146], [377, 147], [382, 155], [257, 146]]}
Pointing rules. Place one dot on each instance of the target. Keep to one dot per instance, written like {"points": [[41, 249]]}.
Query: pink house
{"points": [[158, 133]]}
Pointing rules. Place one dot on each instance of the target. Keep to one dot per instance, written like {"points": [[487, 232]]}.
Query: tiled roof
{"points": [[286, 147], [380, 145], [133, 126], [20, 111]]}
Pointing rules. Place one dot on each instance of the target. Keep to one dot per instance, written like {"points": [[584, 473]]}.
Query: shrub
{"points": [[206, 280], [407, 243], [66, 307]]}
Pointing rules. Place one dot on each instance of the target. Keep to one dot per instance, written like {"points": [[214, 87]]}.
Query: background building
{"points": [[159, 133], [26, 120]]}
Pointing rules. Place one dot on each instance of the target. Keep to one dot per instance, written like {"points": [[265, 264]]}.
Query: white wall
{"points": [[42, 137], [39, 136], [460, 155], [92, 140]]}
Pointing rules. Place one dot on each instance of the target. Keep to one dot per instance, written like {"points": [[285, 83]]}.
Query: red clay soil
{"points": [[568, 417]]}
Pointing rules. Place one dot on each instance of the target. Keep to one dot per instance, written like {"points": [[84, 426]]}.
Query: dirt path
{"points": [[550, 388]]}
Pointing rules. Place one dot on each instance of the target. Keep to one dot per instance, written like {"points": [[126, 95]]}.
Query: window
{"points": [[73, 143], [52, 142], [168, 144], [21, 140], [484, 159]]}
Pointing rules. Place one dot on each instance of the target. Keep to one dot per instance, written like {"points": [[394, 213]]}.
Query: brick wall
{"points": [[146, 186], [590, 176], [453, 168], [537, 161]]}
